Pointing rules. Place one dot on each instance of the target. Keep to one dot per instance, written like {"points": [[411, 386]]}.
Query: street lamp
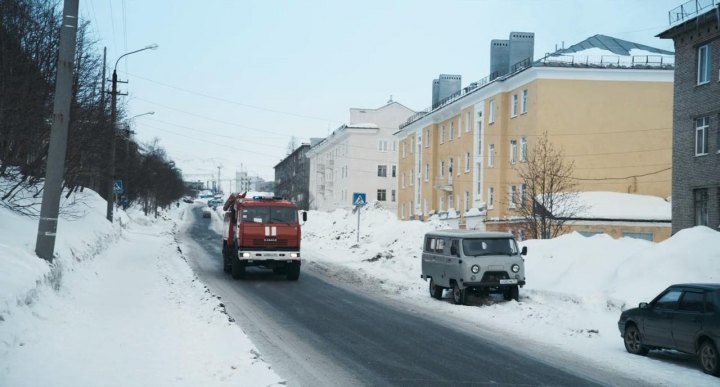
{"points": [[113, 120]]}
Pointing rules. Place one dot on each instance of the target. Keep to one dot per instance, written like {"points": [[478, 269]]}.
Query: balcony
{"points": [[444, 183]]}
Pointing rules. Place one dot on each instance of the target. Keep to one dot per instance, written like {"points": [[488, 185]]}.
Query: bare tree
{"points": [[550, 191], [292, 145]]}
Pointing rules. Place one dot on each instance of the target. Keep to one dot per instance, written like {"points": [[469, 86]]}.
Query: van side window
{"points": [[455, 246], [440, 245]]}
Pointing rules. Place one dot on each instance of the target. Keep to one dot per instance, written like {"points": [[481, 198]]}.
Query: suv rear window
{"points": [[486, 246]]}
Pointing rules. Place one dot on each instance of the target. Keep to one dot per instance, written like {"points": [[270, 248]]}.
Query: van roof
{"points": [[469, 234]]}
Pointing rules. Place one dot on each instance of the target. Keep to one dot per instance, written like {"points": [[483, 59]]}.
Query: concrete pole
{"points": [[47, 226], [111, 169]]}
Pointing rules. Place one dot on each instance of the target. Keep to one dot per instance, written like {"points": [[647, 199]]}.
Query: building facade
{"points": [[696, 117], [613, 121], [360, 156], [292, 177]]}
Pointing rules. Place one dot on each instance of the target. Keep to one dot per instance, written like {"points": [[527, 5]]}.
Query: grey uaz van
{"points": [[471, 261]]}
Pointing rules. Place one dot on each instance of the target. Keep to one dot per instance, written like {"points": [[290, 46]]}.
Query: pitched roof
{"points": [[614, 45]]}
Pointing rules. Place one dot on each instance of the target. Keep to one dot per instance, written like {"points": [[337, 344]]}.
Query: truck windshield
{"points": [[269, 215], [485, 246]]}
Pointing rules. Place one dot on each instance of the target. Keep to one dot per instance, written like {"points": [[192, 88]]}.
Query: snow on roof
{"points": [[611, 46], [365, 125], [622, 206]]}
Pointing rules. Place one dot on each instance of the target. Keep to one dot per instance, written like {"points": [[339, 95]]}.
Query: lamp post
{"points": [[113, 123]]}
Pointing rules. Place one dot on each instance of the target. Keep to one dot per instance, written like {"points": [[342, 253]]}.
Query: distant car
{"points": [[215, 202], [684, 317], [207, 212], [187, 200]]}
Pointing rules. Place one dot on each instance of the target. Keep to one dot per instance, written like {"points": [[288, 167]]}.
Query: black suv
{"points": [[684, 317]]}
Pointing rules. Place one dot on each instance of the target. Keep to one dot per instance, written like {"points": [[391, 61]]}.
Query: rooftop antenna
{"points": [[390, 100]]}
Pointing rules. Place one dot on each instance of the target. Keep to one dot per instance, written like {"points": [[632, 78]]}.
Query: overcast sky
{"points": [[233, 81]]}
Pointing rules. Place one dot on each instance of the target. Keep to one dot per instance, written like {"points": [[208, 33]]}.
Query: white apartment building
{"points": [[360, 156]]}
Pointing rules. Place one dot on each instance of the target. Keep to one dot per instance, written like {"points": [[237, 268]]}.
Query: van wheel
{"points": [[511, 293], [459, 296], [435, 291]]}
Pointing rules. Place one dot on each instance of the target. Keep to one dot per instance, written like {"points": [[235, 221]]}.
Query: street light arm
{"points": [[150, 47]]}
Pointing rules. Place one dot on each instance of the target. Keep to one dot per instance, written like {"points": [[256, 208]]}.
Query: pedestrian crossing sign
{"points": [[359, 199]]}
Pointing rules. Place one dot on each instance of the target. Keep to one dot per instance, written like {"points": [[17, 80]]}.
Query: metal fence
{"points": [[690, 10]]}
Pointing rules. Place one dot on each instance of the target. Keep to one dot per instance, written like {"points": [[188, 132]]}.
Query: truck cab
{"points": [[263, 232]]}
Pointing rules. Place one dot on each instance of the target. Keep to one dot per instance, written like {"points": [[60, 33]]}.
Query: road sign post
{"points": [[359, 200]]}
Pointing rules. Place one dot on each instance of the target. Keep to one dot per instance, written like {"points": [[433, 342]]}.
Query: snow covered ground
{"points": [[576, 289], [119, 307]]}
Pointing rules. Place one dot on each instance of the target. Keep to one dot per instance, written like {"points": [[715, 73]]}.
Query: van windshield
{"points": [[485, 246], [269, 215]]}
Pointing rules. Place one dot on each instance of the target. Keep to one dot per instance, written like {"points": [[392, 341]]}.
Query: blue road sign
{"points": [[118, 187], [359, 199]]}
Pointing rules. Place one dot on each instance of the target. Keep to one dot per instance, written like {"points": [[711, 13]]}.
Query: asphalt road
{"points": [[316, 333]]}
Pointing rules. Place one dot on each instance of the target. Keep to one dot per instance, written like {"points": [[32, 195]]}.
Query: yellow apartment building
{"points": [[613, 120]]}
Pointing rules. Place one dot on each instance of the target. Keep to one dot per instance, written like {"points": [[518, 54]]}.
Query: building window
{"points": [[523, 149], [442, 169], [392, 195], [648, 236], [412, 177], [382, 170], [701, 135], [701, 206], [514, 105], [491, 197], [427, 138], [467, 162], [394, 146], [703, 64], [513, 151], [491, 113], [442, 134], [468, 124], [467, 201], [452, 130], [523, 194], [402, 212], [442, 203], [512, 196], [427, 172], [450, 167], [524, 106], [451, 203], [491, 155], [402, 179], [403, 149], [382, 145], [412, 146], [381, 195], [394, 171]]}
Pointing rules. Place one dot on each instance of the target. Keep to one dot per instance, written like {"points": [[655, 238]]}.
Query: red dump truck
{"points": [[263, 232]]}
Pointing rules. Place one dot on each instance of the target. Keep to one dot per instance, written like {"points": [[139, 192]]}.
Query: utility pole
{"points": [[219, 188], [47, 226]]}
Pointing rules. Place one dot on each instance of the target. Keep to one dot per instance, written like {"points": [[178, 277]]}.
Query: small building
{"points": [[696, 115], [292, 177], [618, 215]]}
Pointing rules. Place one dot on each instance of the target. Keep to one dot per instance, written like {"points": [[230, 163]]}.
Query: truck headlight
{"points": [[246, 255], [294, 255], [515, 268], [475, 269]]}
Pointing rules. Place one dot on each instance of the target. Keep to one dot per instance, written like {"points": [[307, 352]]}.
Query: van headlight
{"points": [[294, 255], [515, 268], [246, 255], [475, 269]]}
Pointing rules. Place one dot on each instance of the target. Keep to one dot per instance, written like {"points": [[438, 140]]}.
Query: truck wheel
{"points": [[459, 296], [292, 271], [435, 291], [238, 269], [226, 260]]}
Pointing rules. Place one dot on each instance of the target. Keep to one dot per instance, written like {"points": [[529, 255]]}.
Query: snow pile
{"points": [[119, 306], [618, 205]]}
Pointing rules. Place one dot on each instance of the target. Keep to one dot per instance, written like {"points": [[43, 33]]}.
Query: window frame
{"points": [[704, 64], [701, 201], [491, 113], [523, 104], [382, 170], [381, 195], [523, 149], [513, 151], [702, 125], [514, 106], [491, 198], [491, 155]]}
